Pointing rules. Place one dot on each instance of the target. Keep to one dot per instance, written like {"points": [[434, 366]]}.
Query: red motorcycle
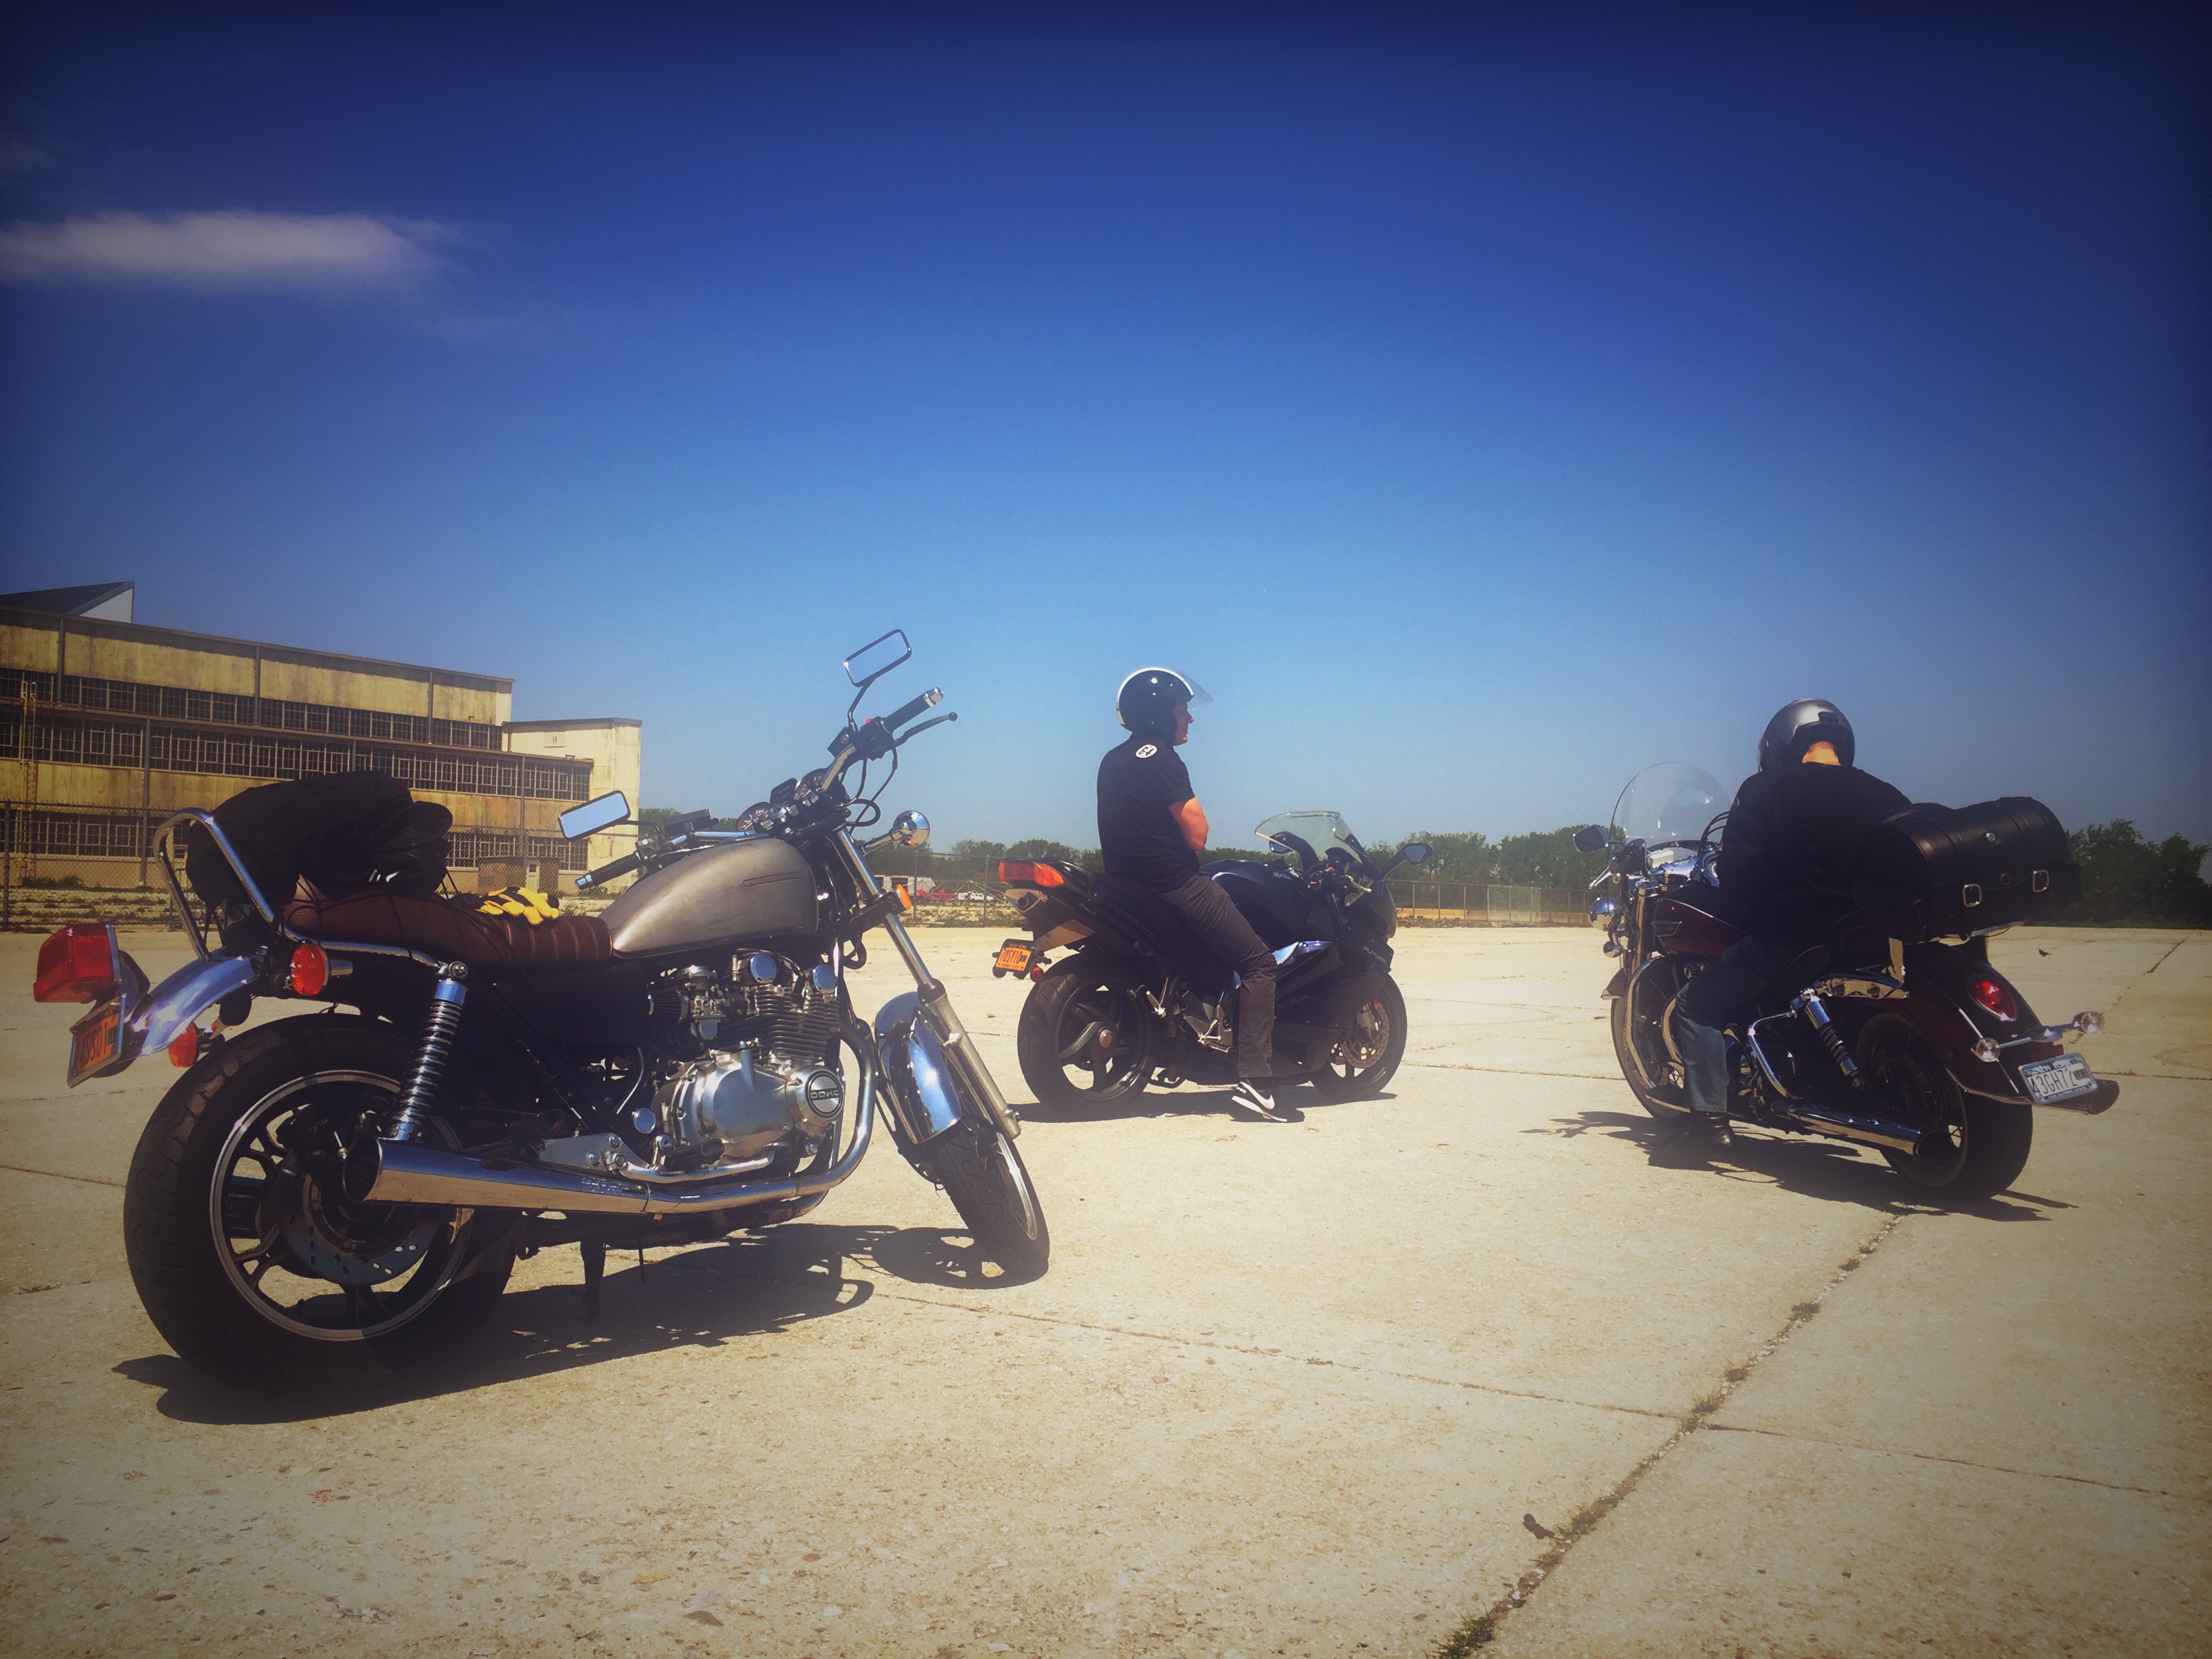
{"points": [[1915, 1046]]}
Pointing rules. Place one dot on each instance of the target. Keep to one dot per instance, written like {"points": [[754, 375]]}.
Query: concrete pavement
{"points": [[1287, 1388]]}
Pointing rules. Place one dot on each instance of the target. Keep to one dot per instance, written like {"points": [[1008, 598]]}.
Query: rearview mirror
{"points": [[596, 813], [1414, 852], [877, 657], [910, 829], [1590, 838]]}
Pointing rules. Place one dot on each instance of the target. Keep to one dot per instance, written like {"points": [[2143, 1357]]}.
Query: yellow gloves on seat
{"points": [[527, 902]]}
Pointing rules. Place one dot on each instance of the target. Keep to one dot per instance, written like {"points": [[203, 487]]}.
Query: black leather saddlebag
{"points": [[1940, 871]]}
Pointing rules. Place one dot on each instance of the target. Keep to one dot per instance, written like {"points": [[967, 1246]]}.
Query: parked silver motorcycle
{"points": [[340, 1196]]}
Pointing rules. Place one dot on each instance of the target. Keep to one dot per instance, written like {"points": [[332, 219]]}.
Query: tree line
{"points": [[2126, 881]]}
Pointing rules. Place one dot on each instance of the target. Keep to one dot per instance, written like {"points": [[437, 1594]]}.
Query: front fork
{"points": [[959, 1047]]}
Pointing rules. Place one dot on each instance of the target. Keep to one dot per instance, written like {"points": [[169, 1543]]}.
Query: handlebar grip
{"points": [[927, 701], [607, 872]]}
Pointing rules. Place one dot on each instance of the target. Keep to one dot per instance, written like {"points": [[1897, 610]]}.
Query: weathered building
{"points": [[107, 725]]}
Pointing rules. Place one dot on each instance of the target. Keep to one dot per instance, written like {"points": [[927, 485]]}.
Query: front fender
{"points": [[183, 997], [925, 1089]]}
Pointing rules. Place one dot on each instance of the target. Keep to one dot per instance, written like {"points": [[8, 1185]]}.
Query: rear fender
{"points": [[186, 994]]}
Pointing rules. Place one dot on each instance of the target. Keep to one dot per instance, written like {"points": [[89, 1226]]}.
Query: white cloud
{"points": [[321, 251]]}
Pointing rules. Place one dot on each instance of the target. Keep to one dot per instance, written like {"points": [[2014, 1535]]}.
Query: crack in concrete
{"points": [[57, 1175], [1962, 1462], [1250, 1349], [1510, 1071], [1483, 1627]]}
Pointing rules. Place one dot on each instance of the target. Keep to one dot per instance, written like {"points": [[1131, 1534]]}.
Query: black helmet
{"points": [[1797, 726], [1147, 699]]}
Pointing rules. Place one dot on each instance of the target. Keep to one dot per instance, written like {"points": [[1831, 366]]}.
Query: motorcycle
{"points": [[1138, 1000], [1918, 1048], [340, 1196]]}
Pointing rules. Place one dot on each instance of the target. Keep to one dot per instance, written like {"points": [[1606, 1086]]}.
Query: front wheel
{"points": [[248, 1254], [1640, 1046], [1972, 1147], [989, 1185], [1367, 1056]]}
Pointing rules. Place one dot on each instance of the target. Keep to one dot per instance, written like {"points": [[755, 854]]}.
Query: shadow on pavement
{"points": [[1293, 1102], [1811, 1167], [702, 1296]]}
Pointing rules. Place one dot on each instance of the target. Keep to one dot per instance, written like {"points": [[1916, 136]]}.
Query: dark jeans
{"points": [[1708, 1002], [1221, 928]]}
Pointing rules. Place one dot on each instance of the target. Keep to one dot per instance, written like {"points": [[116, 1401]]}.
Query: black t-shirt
{"points": [[1796, 842], [1141, 839]]}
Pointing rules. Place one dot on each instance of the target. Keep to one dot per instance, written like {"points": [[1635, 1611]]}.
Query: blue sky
{"points": [[1480, 406]]}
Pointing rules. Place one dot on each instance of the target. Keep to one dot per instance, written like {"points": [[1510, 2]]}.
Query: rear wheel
{"points": [[1368, 1056], [1087, 1036], [251, 1261], [1973, 1146], [989, 1185]]}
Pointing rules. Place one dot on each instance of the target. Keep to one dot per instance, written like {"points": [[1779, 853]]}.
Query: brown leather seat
{"points": [[454, 933]]}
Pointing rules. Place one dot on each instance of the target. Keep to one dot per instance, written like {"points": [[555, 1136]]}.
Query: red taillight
{"points": [[76, 965], [311, 969], [1021, 872], [186, 1049], [1993, 995]]}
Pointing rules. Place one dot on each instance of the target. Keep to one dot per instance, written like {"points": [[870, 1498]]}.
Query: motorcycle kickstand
{"points": [[595, 1271]]}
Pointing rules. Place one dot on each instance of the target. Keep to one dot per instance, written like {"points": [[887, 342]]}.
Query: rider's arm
{"points": [[1190, 818]]}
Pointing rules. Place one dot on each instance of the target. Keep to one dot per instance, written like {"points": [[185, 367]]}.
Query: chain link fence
{"points": [[105, 857], [100, 863]]}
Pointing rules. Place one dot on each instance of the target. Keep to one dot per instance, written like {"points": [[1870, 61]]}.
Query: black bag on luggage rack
{"points": [[354, 832], [1954, 871]]}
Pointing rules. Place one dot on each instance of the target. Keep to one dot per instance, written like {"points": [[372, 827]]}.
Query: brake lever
{"points": [[914, 731]]}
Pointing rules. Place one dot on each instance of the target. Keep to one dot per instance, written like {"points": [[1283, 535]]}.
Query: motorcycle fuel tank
{"points": [[1278, 907], [747, 890]]}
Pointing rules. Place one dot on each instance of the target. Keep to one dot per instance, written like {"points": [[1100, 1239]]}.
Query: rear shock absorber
{"points": [[1810, 1005], [433, 1049]]}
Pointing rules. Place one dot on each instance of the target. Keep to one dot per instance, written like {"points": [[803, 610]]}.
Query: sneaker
{"points": [[1256, 1098]]}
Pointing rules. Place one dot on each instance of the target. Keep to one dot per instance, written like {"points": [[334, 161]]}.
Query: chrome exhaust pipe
{"points": [[409, 1172], [1867, 1131]]}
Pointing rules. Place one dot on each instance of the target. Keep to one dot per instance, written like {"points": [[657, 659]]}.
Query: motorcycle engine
{"points": [[765, 1030]]}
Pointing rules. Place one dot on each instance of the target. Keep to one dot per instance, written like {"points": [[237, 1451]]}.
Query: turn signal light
{"points": [[76, 965], [1993, 996], [1022, 873], [185, 1050], [311, 969]]}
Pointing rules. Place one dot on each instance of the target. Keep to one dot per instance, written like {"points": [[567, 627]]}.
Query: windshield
{"points": [[1673, 801], [1310, 834]]}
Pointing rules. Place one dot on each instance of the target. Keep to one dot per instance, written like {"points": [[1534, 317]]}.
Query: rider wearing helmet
{"points": [[1795, 835], [1151, 831]]}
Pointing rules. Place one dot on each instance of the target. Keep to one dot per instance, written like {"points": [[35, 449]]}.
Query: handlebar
{"points": [[607, 872], [927, 701]]}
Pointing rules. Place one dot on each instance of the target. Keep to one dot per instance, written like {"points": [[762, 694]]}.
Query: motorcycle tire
{"points": [[990, 1186], [1658, 1104], [1364, 1079], [411, 1285], [1976, 1147], [1057, 1041]]}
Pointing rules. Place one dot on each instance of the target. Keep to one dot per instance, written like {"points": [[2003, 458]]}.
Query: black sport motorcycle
{"points": [[1139, 1000], [340, 1196], [1918, 1048]]}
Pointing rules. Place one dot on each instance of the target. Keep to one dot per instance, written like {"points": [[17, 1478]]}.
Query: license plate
{"points": [[95, 1041], [1014, 957], [2057, 1080]]}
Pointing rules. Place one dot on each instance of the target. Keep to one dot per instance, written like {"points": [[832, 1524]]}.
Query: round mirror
{"points": [[910, 829]]}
